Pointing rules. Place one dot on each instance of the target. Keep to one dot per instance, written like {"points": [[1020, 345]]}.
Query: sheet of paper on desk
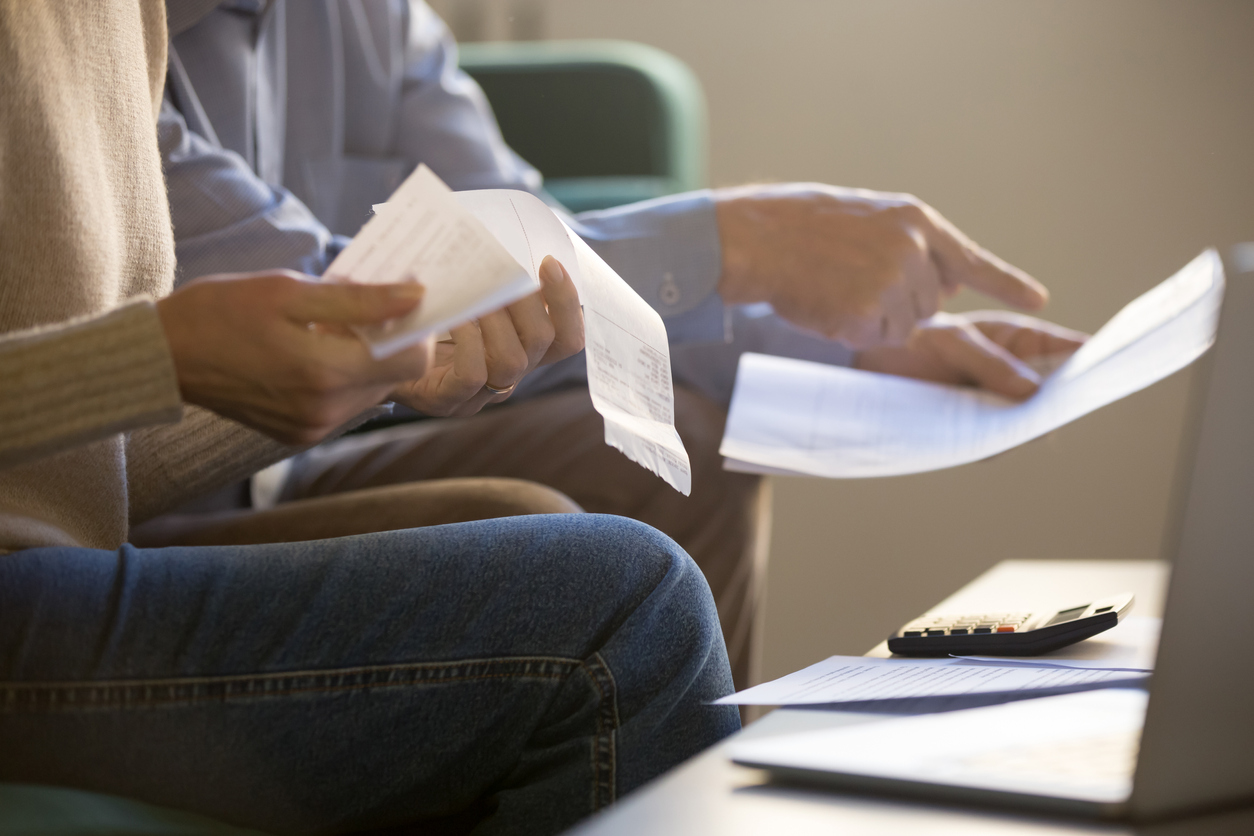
{"points": [[1131, 645], [867, 681], [425, 234], [792, 416], [628, 355]]}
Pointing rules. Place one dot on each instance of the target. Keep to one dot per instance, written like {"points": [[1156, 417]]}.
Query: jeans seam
{"points": [[604, 755], [139, 693]]}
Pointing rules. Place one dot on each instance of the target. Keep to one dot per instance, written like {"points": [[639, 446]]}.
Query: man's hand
{"points": [[273, 350], [499, 349], [982, 348], [853, 265]]}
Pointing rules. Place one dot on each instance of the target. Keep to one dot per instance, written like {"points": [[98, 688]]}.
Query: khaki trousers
{"points": [[452, 470]]}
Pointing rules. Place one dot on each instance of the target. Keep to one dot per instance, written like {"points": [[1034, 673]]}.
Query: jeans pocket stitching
{"points": [[604, 751], [143, 693]]}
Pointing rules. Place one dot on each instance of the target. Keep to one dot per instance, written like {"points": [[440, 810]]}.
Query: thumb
{"points": [[352, 304]]}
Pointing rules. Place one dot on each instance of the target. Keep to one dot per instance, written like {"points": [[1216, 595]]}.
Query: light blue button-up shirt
{"points": [[286, 121]]}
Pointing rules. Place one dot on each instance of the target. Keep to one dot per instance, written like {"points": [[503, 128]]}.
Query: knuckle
{"points": [[476, 380], [514, 365], [911, 212], [539, 341]]}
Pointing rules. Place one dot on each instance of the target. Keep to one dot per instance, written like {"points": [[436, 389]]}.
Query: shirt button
{"points": [[669, 292]]}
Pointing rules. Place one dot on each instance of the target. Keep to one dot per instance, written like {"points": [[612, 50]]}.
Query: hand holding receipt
{"points": [[478, 251]]}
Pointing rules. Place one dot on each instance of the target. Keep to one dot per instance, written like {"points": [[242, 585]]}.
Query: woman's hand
{"points": [[498, 350], [272, 350]]}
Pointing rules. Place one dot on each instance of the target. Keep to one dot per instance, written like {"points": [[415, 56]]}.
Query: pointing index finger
{"points": [[964, 262]]}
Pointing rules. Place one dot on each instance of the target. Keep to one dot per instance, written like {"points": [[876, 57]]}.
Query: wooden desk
{"points": [[711, 795]]}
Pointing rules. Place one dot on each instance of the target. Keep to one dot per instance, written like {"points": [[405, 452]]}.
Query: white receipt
{"points": [[488, 245], [861, 679], [629, 361], [426, 235], [793, 416]]}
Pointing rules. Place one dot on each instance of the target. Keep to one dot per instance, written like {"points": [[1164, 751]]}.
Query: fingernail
{"points": [[551, 269], [1036, 294]]}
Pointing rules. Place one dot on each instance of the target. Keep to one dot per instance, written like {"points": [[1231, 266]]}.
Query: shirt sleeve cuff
{"points": [[667, 249]]}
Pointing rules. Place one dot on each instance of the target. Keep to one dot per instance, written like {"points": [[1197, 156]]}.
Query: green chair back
{"points": [[606, 122]]}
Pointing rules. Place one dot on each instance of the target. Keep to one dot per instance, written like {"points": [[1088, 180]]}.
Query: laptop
{"points": [[1185, 746]]}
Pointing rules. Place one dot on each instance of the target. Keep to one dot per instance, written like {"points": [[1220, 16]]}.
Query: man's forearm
{"points": [[226, 219]]}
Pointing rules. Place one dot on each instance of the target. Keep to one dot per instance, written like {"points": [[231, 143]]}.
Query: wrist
{"points": [[739, 221], [175, 337]]}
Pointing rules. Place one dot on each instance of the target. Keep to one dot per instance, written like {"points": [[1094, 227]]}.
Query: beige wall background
{"points": [[1099, 145]]}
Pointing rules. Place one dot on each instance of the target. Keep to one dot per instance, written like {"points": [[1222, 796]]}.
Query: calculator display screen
{"points": [[1067, 615]]}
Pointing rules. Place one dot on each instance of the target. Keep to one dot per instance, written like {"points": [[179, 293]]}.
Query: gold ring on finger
{"points": [[510, 388]]}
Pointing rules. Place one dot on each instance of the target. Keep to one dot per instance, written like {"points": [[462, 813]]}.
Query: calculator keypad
{"points": [[1000, 622]]}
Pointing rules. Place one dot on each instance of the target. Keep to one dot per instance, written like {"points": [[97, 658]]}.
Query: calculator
{"points": [[1008, 633]]}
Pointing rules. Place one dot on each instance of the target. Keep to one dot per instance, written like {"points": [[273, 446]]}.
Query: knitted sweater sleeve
{"points": [[170, 464], [83, 380]]}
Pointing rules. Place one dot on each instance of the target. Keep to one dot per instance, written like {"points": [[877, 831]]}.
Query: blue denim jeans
{"points": [[514, 674]]}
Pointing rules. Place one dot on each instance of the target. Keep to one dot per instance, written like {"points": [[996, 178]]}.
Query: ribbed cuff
{"points": [[166, 466], [169, 465], [84, 380]]}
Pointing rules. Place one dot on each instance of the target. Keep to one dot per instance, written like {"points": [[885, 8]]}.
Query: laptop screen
{"points": [[1197, 749]]}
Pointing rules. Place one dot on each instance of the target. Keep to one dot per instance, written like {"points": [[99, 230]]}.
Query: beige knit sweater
{"points": [[93, 431]]}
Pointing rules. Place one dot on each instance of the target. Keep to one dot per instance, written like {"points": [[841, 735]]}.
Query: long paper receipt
{"points": [[478, 251], [793, 416]]}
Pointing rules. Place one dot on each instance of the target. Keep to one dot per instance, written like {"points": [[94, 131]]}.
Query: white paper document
{"points": [[1076, 746], [478, 251], [793, 416], [427, 236], [866, 680]]}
